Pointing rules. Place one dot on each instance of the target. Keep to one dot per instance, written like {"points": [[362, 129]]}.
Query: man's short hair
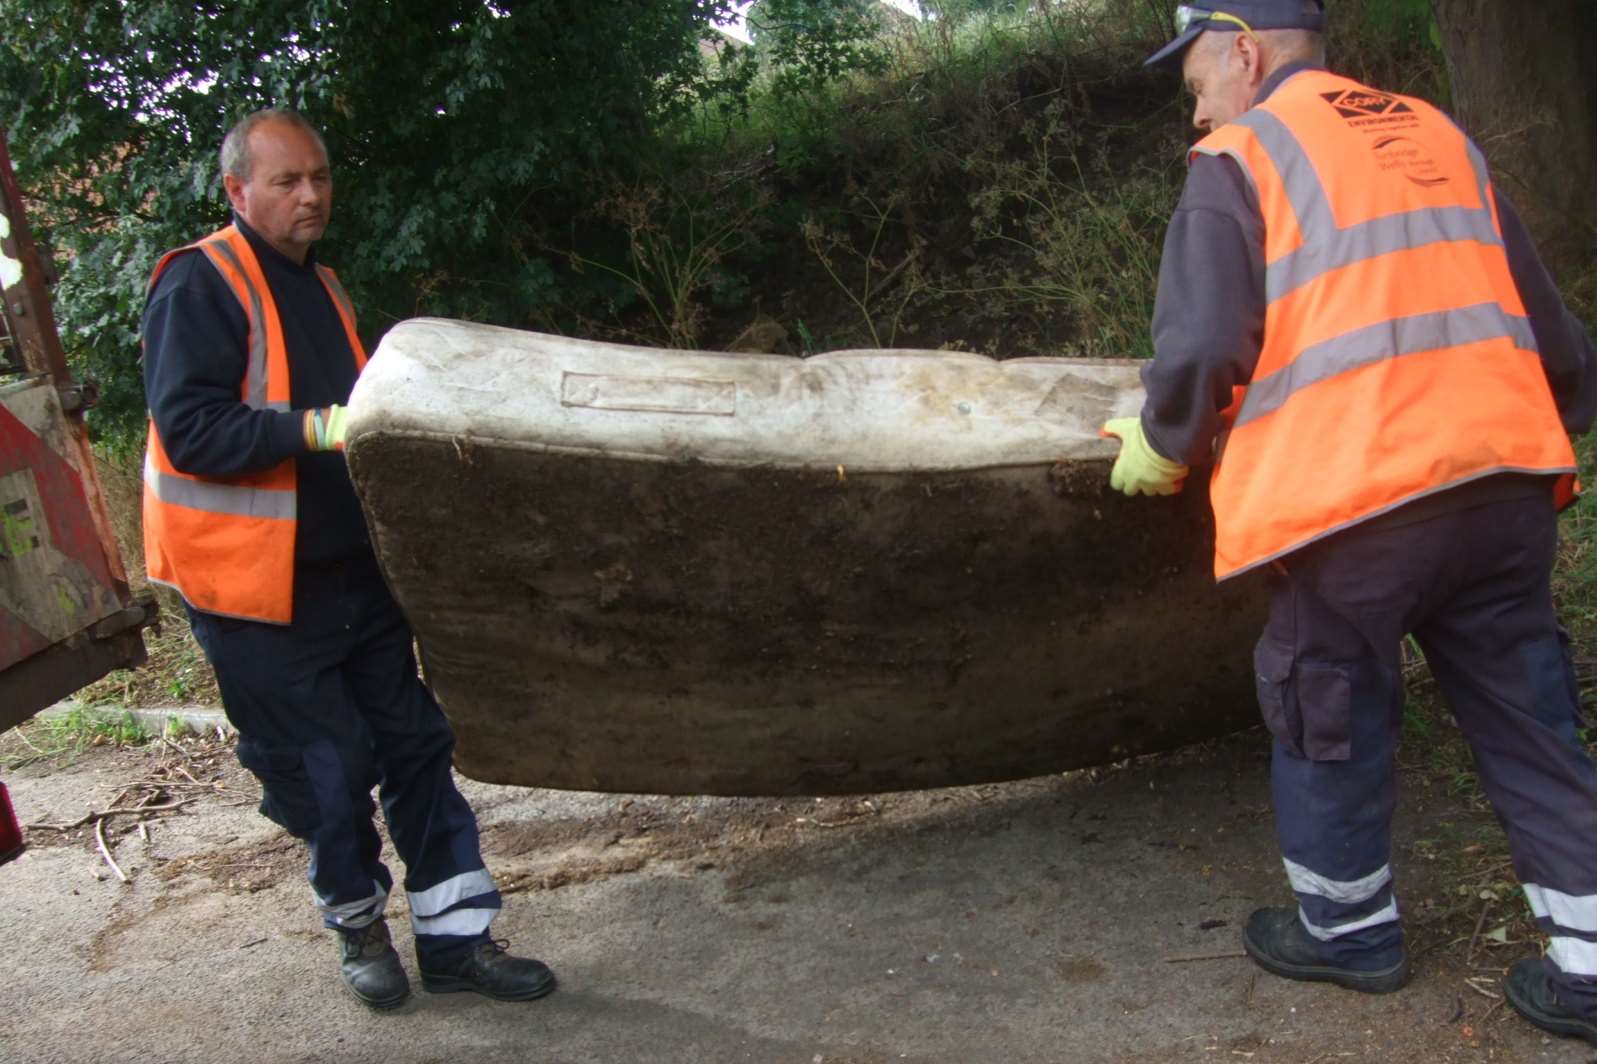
{"points": [[235, 152], [1294, 45]]}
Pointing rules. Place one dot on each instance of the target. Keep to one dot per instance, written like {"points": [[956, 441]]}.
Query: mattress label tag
{"points": [[661, 395]]}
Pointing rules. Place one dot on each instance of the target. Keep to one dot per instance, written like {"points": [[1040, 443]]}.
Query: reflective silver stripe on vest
{"points": [[1378, 342], [255, 374], [1379, 236], [1298, 179], [1482, 179], [1326, 246], [217, 498], [336, 290]]}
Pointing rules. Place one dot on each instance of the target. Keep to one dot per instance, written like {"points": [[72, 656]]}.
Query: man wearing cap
{"points": [[1354, 328]]}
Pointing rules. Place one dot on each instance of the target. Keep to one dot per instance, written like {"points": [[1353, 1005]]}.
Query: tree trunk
{"points": [[1525, 88]]}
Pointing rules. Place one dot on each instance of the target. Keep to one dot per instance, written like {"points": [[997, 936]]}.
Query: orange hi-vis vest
{"points": [[1397, 358], [226, 544]]}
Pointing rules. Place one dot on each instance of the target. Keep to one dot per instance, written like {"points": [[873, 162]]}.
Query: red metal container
{"points": [[10, 830], [67, 615]]}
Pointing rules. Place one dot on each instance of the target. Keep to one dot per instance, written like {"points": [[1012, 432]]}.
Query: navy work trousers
{"points": [[328, 708], [1472, 586]]}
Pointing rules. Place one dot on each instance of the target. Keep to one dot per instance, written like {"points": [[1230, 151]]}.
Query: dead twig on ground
{"points": [[1482, 991], [105, 851], [1488, 1013], [95, 816], [1189, 958], [1480, 922], [155, 788], [1429, 946], [843, 823], [867, 813]]}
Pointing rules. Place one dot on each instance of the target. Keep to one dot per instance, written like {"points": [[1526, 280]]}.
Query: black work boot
{"points": [[490, 969], [1529, 987], [1279, 943], [371, 967]]}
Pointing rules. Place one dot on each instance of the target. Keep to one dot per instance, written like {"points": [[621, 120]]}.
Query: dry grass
{"points": [[123, 485], [177, 673]]}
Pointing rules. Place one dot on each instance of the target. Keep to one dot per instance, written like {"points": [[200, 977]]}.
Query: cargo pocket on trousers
{"points": [[287, 798], [1325, 703], [1272, 677]]}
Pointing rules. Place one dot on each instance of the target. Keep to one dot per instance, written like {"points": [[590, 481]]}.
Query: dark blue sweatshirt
{"points": [[195, 354]]}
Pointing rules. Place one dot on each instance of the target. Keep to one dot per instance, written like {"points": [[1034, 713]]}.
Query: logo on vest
{"points": [[1410, 158], [1362, 108]]}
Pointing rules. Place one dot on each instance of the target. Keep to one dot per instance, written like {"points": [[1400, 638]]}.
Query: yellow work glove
{"points": [[1141, 470], [326, 427]]}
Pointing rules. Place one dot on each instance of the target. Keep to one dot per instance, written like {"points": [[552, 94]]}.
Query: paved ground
{"points": [[1086, 918]]}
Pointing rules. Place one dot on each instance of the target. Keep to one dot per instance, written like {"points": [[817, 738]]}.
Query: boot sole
{"points": [[448, 984], [1380, 981], [1568, 1026]]}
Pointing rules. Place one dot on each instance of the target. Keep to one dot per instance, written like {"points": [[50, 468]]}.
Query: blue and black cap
{"points": [[1234, 15]]}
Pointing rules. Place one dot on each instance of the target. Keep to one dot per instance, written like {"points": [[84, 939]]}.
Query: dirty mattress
{"points": [[677, 572]]}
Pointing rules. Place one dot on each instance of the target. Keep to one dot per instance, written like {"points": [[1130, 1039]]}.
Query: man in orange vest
{"points": [[250, 352], [1354, 328]]}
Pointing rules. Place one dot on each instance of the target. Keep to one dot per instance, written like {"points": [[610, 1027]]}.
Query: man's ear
{"points": [[1249, 55], [234, 189]]}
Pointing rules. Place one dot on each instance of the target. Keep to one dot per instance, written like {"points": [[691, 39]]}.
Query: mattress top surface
{"points": [[868, 410]]}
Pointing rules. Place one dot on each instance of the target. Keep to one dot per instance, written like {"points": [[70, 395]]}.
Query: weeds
{"points": [[884, 293], [1393, 44], [1083, 239], [1443, 756], [677, 241], [84, 727], [1575, 577], [58, 737], [176, 673]]}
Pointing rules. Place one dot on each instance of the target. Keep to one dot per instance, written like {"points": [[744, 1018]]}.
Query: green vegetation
{"points": [[62, 737], [177, 673]]}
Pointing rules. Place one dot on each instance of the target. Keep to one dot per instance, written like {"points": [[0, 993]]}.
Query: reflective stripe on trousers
{"points": [[1570, 922], [328, 708], [1473, 587], [462, 905]]}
